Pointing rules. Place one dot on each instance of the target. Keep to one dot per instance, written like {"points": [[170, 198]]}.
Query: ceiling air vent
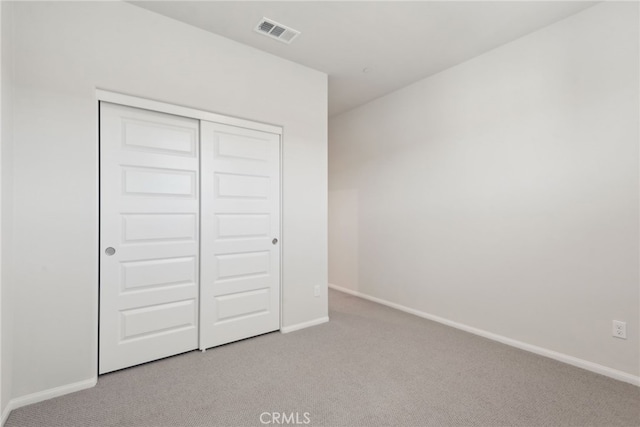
{"points": [[276, 31]]}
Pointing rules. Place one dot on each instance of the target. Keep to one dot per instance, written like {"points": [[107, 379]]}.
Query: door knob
{"points": [[109, 251], [274, 241]]}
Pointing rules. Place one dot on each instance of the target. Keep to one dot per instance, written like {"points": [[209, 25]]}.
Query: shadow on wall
{"points": [[343, 238]]}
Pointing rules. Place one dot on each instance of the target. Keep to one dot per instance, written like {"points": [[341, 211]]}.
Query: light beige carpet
{"points": [[370, 366]]}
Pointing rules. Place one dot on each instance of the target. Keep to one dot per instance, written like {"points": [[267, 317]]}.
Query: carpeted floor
{"points": [[370, 366]]}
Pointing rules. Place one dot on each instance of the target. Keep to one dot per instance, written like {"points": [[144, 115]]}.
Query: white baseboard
{"points": [[21, 401], [580, 363], [296, 327], [5, 414]]}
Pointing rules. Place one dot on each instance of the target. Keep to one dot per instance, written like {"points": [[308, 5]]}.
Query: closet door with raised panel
{"points": [[240, 248], [149, 236]]}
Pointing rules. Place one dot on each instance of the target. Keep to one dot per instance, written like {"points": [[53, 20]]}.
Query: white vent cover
{"points": [[276, 31]]}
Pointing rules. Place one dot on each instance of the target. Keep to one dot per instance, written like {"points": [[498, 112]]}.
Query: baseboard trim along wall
{"points": [[5, 414], [45, 395], [561, 357], [298, 326]]}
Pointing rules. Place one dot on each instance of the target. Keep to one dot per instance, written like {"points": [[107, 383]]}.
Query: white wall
{"points": [[503, 193], [63, 51], [2, 28], [6, 30]]}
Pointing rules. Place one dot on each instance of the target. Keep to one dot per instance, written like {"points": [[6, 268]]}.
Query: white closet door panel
{"points": [[160, 250], [147, 227], [150, 217], [149, 205], [234, 226], [145, 159], [161, 295], [240, 272], [155, 273], [237, 207]]}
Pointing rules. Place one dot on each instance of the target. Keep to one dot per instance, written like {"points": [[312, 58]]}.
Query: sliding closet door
{"points": [[148, 236], [240, 248]]}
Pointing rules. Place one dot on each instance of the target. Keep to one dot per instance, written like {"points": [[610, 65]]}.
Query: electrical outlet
{"points": [[316, 291], [620, 329]]}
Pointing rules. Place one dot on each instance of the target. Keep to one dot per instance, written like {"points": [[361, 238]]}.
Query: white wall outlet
{"points": [[316, 291], [620, 329]]}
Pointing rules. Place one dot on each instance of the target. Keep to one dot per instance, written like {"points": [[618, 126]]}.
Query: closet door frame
{"points": [[178, 110]]}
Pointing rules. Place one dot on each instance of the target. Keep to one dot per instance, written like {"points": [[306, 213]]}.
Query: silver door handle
{"points": [[110, 251], [274, 241]]}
